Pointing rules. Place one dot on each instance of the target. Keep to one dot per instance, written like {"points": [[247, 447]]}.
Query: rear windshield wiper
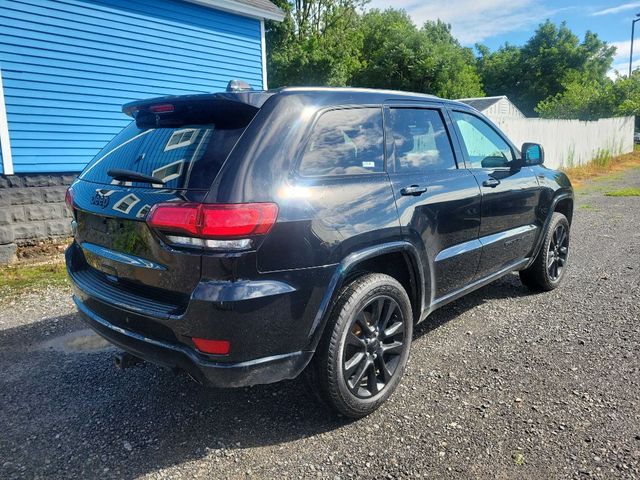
{"points": [[133, 176]]}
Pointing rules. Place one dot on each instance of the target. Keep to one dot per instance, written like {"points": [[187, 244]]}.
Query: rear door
{"points": [[438, 200], [510, 193]]}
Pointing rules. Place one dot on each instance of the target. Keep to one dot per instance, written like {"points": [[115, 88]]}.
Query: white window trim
{"points": [[264, 56], [5, 143], [131, 196], [192, 138], [140, 213], [241, 9], [168, 177]]}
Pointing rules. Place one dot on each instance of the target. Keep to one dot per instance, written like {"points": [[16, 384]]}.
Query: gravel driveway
{"points": [[500, 384]]}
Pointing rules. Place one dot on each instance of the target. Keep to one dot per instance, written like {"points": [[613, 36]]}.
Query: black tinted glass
{"points": [[420, 140], [188, 157], [345, 142]]}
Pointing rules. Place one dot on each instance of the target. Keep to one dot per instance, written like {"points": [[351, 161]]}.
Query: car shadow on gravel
{"points": [[506, 287], [74, 414]]}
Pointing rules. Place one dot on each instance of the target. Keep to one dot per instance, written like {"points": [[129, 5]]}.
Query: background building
{"points": [[67, 66], [496, 108]]}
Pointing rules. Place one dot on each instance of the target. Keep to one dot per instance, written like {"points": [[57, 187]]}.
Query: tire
{"points": [[368, 335], [548, 269]]}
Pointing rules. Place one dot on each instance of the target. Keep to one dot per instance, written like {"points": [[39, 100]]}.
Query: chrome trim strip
{"points": [[120, 257], [514, 232], [477, 243], [458, 249]]}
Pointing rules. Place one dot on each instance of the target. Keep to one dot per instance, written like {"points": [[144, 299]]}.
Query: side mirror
{"points": [[532, 154]]}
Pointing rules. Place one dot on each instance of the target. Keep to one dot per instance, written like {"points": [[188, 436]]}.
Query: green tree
{"points": [[318, 43], [590, 100], [550, 61], [398, 55], [501, 71], [579, 100], [626, 92]]}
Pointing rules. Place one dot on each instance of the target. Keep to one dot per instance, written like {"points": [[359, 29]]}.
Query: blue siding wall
{"points": [[69, 65]]}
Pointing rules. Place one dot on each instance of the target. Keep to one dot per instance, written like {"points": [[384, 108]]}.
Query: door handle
{"points": [[413, 190], [491, 182]]}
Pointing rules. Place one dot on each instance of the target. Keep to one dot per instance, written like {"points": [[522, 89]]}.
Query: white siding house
{"points": [[496, 108]]}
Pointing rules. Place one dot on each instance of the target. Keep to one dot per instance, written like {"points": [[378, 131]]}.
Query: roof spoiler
{"points": [[226, 111]]}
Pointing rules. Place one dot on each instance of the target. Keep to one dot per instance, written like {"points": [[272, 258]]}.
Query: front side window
{"points": [[345, 142], [485, 148], [420, 140]]}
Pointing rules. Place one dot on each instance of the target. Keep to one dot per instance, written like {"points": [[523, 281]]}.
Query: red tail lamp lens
{"points": [[175, 217], [214, 221], [215, 347], [68, 198], [238, 220]]}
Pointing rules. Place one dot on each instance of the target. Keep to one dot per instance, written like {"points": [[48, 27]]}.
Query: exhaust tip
{"points": [[124, 360]]}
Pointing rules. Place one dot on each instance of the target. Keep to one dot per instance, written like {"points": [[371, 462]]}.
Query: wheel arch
{"points": [[377, 259], [564, 205], [562, 202]]}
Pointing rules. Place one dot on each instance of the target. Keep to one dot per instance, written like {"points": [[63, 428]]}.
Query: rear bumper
{"points": [[269, 322], [218, 374]]}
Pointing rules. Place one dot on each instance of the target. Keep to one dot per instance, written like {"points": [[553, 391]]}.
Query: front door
{"points": [[438, 203], [510, 193]]}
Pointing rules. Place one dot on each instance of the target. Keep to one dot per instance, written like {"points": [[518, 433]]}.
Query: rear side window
{"points": [[420, 140], [345, 142], [188, 157]]}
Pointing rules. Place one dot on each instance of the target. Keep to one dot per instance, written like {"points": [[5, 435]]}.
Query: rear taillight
{"points": [[230, 226], [68, 199]]}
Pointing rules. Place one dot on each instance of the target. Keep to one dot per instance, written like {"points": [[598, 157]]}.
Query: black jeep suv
{"points": [[248, 236]]}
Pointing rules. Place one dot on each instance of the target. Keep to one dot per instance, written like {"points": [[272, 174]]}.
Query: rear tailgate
{"points": [[115, 240], [117, 256]]}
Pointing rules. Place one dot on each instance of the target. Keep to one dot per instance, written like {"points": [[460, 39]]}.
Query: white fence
{"points": [[571, 142]]}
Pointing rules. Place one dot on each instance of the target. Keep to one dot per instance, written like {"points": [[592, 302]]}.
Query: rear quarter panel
{"points": [[321, 220]]}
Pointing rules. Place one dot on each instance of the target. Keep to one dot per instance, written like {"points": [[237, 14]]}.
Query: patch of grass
{"points": [[586, 206], [518, 459], [22, 277], [603, 158], [610, 176], [603, 165], [625, 192]]}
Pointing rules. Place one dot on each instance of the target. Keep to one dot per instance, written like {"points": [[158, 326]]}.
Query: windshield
{"points": [[188, 157]]}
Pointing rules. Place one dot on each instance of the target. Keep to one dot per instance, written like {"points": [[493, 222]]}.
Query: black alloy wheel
{"points": [[373, 347], [365, 347], [558, 252], [549, 267]]}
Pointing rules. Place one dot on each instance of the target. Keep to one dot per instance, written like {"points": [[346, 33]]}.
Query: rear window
{"points": [[188, 157]]}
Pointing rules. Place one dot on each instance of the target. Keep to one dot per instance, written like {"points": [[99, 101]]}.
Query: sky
{"points": [[494, 22]]}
